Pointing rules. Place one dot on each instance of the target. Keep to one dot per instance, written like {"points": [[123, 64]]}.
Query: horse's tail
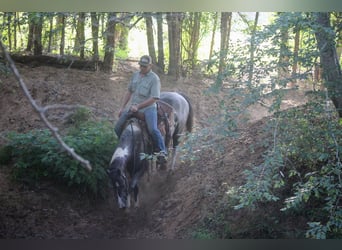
{"points": [[190, 120]]}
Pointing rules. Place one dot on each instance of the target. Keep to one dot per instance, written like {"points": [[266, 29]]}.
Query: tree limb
{"points": [[41, 110]]}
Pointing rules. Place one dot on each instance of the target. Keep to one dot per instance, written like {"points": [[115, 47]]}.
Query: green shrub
{"points": [[80, 116], [203, 234], [302, 169], [3, 68], [5, 155], [37, 156]]}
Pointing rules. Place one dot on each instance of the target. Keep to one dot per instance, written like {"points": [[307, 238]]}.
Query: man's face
{"points": [[145, 68]]}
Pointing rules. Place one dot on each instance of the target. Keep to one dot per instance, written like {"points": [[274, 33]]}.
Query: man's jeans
{"points": [[151, 123]]}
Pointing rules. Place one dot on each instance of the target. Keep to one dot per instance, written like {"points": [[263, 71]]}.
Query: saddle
{"points": [[165, 113]]}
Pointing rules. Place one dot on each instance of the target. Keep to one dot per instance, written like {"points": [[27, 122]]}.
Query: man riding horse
{"points": [[175, 118], [143, 93]]}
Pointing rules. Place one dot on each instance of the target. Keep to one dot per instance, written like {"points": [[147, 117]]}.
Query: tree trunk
{"points": [[331, 75], [16, 23], [295, 54], [337, 22], [30, 34], [161, 56], [283, 63], [212, 42], [194, 38], [16, 30], [339, 45], [80, 35], [37, 35], [226, 18], [110, 43], [174, 21], [190, 41], [50, 33], [95, 35], [9, 31], [150, 37], [122, 33], [61, 28], [252, 49]]}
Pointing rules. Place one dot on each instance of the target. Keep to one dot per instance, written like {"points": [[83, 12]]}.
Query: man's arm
{"points": [[144, 104], [125, 100]]}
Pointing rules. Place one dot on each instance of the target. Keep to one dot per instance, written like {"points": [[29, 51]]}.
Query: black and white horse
{"points": [[128, 166]]}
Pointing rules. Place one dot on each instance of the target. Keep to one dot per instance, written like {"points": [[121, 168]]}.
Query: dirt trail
{"points": [[172, 204]]}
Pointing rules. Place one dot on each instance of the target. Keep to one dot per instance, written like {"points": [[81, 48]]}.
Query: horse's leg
{"points": [[149, 170], [173, 158], [174, 150], [152, 169], [136, 198], [128, 201]]}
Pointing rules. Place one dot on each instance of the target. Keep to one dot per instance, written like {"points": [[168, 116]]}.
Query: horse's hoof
{"points": [[163, 166]]}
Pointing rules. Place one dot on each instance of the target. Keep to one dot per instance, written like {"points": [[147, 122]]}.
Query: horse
{"points": [[129, 161]]}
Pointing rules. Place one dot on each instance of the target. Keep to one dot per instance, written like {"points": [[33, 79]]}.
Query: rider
{"points": [[143, 92]]}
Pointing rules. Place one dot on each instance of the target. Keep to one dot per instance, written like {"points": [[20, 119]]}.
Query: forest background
{"points": [[253, 58]]}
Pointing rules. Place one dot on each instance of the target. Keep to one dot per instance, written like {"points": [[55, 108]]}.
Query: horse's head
{"points": [[121, 186], [126, 161]]}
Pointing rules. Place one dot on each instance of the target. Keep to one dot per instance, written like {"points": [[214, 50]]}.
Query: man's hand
{"points": [[120, 112], [134, 108]]}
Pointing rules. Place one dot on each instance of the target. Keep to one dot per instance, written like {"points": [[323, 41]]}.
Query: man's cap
{"points": [[145, 60]]}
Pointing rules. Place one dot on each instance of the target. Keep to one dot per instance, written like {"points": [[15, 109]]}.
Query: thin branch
{"points": [[41, 110], [62, 106]]}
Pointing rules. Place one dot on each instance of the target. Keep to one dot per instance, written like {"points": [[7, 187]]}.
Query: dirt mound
{"points": [[171, 203]]}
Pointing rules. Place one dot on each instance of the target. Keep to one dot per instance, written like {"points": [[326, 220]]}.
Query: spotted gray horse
{"points": [[127, 166]]}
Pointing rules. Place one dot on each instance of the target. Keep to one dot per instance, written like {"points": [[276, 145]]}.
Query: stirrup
{"points": [[161, 157]]}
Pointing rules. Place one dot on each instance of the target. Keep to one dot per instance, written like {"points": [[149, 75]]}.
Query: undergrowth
{"points": [[37, 156], [301, 170], [296, 191]]}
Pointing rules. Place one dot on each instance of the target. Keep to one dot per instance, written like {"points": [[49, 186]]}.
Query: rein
{"points": [[133, 145]]}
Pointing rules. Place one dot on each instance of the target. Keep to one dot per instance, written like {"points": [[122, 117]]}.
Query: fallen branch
{"points": [[42, 110], [53, 61]]}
